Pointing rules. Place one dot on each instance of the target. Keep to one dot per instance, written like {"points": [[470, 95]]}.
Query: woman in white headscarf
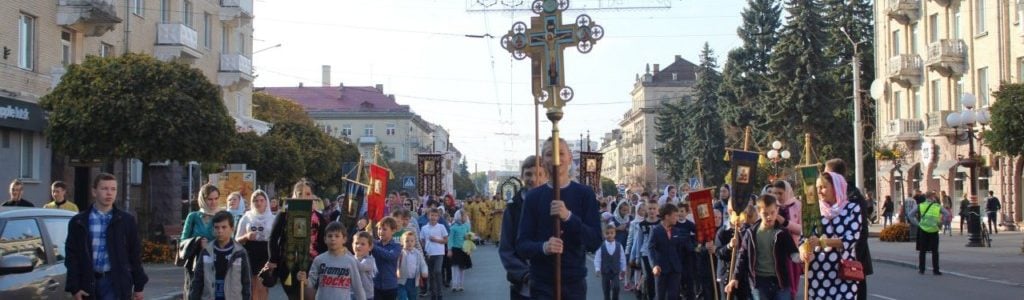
{"points": [[790, 221], [841, 226], [253, 233], [669, 196], [236, 205]]}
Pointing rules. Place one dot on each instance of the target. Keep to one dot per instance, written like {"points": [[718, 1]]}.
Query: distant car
{"points": [[32, 252]]}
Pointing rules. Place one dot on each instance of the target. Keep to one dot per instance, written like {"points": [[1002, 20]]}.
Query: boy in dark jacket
{"points": [[222, 271], [103, 249], [763, 254], [665, 248]]}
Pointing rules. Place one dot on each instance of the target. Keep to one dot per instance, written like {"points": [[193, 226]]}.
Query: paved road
{"points": [[892, 282]]}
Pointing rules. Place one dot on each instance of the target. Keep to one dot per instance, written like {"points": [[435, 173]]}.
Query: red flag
{"points": [[377, 192], [703, 215]]}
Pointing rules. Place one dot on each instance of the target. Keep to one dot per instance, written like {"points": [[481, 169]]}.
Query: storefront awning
{"points": [[23, 115]]}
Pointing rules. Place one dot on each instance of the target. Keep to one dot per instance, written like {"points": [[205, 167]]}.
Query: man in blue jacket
{"points": [[103, 249], [517, 269], [581, 231]]}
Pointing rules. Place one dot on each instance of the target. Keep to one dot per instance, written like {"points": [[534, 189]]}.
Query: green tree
{"points": [[851, 21], [275, 109], [745, 76], [401, 170], [464, 186], [1007, 120], [135, 106], [275, 160], [670, 124], [703, 136], [464, 168], [321, 155], [608, 187]]}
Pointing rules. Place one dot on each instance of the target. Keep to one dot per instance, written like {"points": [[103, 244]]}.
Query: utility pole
{"points": [[858, 130]]}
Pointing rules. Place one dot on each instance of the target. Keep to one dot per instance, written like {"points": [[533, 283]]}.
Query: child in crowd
{"points": [[413, 266], [222, 270], [726, 241], [640, 252], [610, 264], [335, 274], [633, 278], [434, 237], [764, 254], [362, 244], [460, 260], [386, 254], [667, 242]]}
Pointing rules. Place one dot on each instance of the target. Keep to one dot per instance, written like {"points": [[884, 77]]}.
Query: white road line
{"points": [[883, 297]]}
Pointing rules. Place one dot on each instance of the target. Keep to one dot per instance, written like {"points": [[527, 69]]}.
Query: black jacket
{"points": [[516, 268], [746, 259], [861, 249], [668, 253], [123, 250]]}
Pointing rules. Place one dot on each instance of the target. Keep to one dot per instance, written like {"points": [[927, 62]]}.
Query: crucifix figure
{"points": [[543, 43]]}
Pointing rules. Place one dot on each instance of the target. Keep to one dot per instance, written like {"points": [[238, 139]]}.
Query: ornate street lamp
{"points": [[966, 120], [776, 156]]}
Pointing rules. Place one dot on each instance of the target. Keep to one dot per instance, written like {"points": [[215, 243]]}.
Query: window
{"points": [[368, 130], [675, 76], [239, 105], [1020, 69], [67, 48], [913, 38], [896, 99], [57, 230], [346, 129], [165, 11], [936, 96], [933, 28], [138, 6], [916, 98], [134, 171], [240, 48], [29, 159], [979, 16], [207, 30], [390, 130], [21, 237], [106, 50], [27, 42], [896, 42], [957, 93], [186, 13], [956, 23], [982, 87], [225, 32]]}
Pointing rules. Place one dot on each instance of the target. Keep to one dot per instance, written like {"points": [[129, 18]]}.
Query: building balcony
{"points": [[231, 10], [948, 57], [176, 41], [903, 11], [235, 70], [944, 3], [363, 140], [91, 17], [905, 69], [935, 124], [905, 130]]}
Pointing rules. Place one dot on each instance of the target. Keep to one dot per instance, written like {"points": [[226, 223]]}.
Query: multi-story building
{"points": [[636, 165], [611, 162], [44, 37], [928, 55]]}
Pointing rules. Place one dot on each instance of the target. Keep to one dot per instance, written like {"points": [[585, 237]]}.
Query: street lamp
{"points": [[776, 156], [966, 120]]}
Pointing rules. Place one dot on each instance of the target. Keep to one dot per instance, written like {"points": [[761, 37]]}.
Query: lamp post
{"points": [[776, 156], [966, 120]]}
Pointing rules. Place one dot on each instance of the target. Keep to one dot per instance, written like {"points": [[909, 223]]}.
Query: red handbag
{"points": [[851, 270]]}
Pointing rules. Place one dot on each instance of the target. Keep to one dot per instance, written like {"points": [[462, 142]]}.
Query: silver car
{"points": [[32, 252]]}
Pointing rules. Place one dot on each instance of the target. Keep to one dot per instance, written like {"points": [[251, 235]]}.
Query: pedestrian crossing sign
{"points": [[409, 182]]}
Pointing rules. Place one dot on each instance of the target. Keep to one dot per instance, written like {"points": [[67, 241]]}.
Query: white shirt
{"points": [[433, 231], [610, 247]]}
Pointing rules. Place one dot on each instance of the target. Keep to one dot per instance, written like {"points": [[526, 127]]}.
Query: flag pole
{"points": [[737, 220]]}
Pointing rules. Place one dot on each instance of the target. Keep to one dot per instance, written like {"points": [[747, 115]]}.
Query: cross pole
{"points": [[543, 43]]}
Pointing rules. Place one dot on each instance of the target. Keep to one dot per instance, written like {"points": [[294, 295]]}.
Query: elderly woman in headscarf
{"points": [[841, 226], [789, 219]]}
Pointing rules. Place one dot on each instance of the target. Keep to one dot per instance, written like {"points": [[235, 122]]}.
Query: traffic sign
{"points": [[409, 182]]}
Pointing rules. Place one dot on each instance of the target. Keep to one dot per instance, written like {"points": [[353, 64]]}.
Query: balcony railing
{"points": [[903, 11], [948, 57], [235, 63], [177, 34], [367, 140], [232, 9], [935, 124], [906, 69], [905, 130], [91, 17]]}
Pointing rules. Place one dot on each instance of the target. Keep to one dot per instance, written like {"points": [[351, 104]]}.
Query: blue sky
{"points": [[471, 86]]}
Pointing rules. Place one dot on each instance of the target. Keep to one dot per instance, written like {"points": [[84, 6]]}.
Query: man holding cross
{"points": [[581, 230]]}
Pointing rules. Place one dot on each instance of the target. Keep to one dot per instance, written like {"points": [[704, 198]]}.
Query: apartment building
{"points": [[41, 39], [631, 149], [929, 53]]}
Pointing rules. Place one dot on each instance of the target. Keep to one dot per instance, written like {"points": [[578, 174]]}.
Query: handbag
{"points": [[851, 270]]}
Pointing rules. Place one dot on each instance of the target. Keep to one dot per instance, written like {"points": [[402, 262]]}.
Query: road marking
{"points": [[883, 297]]}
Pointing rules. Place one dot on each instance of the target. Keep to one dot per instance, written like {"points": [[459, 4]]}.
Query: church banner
{"points": [[297, 240], [590, 170], [744, 175], [703, 214], [808, 175], [378, 192], [429, 172]]}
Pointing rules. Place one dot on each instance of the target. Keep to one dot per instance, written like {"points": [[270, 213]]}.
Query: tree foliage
{"points": [[321, 155], [704, 138], [401, 170], [745, 76], [670, 123], [1007, 134], [464, 186], [275, 109], [275, 159], [137, 106], [608, 187]]}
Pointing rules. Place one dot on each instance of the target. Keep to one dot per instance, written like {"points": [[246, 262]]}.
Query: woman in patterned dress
{"points": [[841, 222]]}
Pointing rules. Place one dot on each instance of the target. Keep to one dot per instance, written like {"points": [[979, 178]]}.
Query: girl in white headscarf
{"points": [[253, 233]]}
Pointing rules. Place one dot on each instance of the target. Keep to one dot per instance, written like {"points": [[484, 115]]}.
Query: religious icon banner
{"points": [[811, 215], [377, 193], [429, 172], [590, 170], [703, 214], [744, 175], [297, 240]]}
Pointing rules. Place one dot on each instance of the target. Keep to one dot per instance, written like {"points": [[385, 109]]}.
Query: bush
{"points": [[899, 232], [159, 253]]}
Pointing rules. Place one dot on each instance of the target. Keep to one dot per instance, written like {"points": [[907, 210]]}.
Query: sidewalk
{"points": [[1002, 263]]}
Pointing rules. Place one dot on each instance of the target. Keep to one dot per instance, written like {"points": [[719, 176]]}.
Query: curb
{"points": [[913, 266]]}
